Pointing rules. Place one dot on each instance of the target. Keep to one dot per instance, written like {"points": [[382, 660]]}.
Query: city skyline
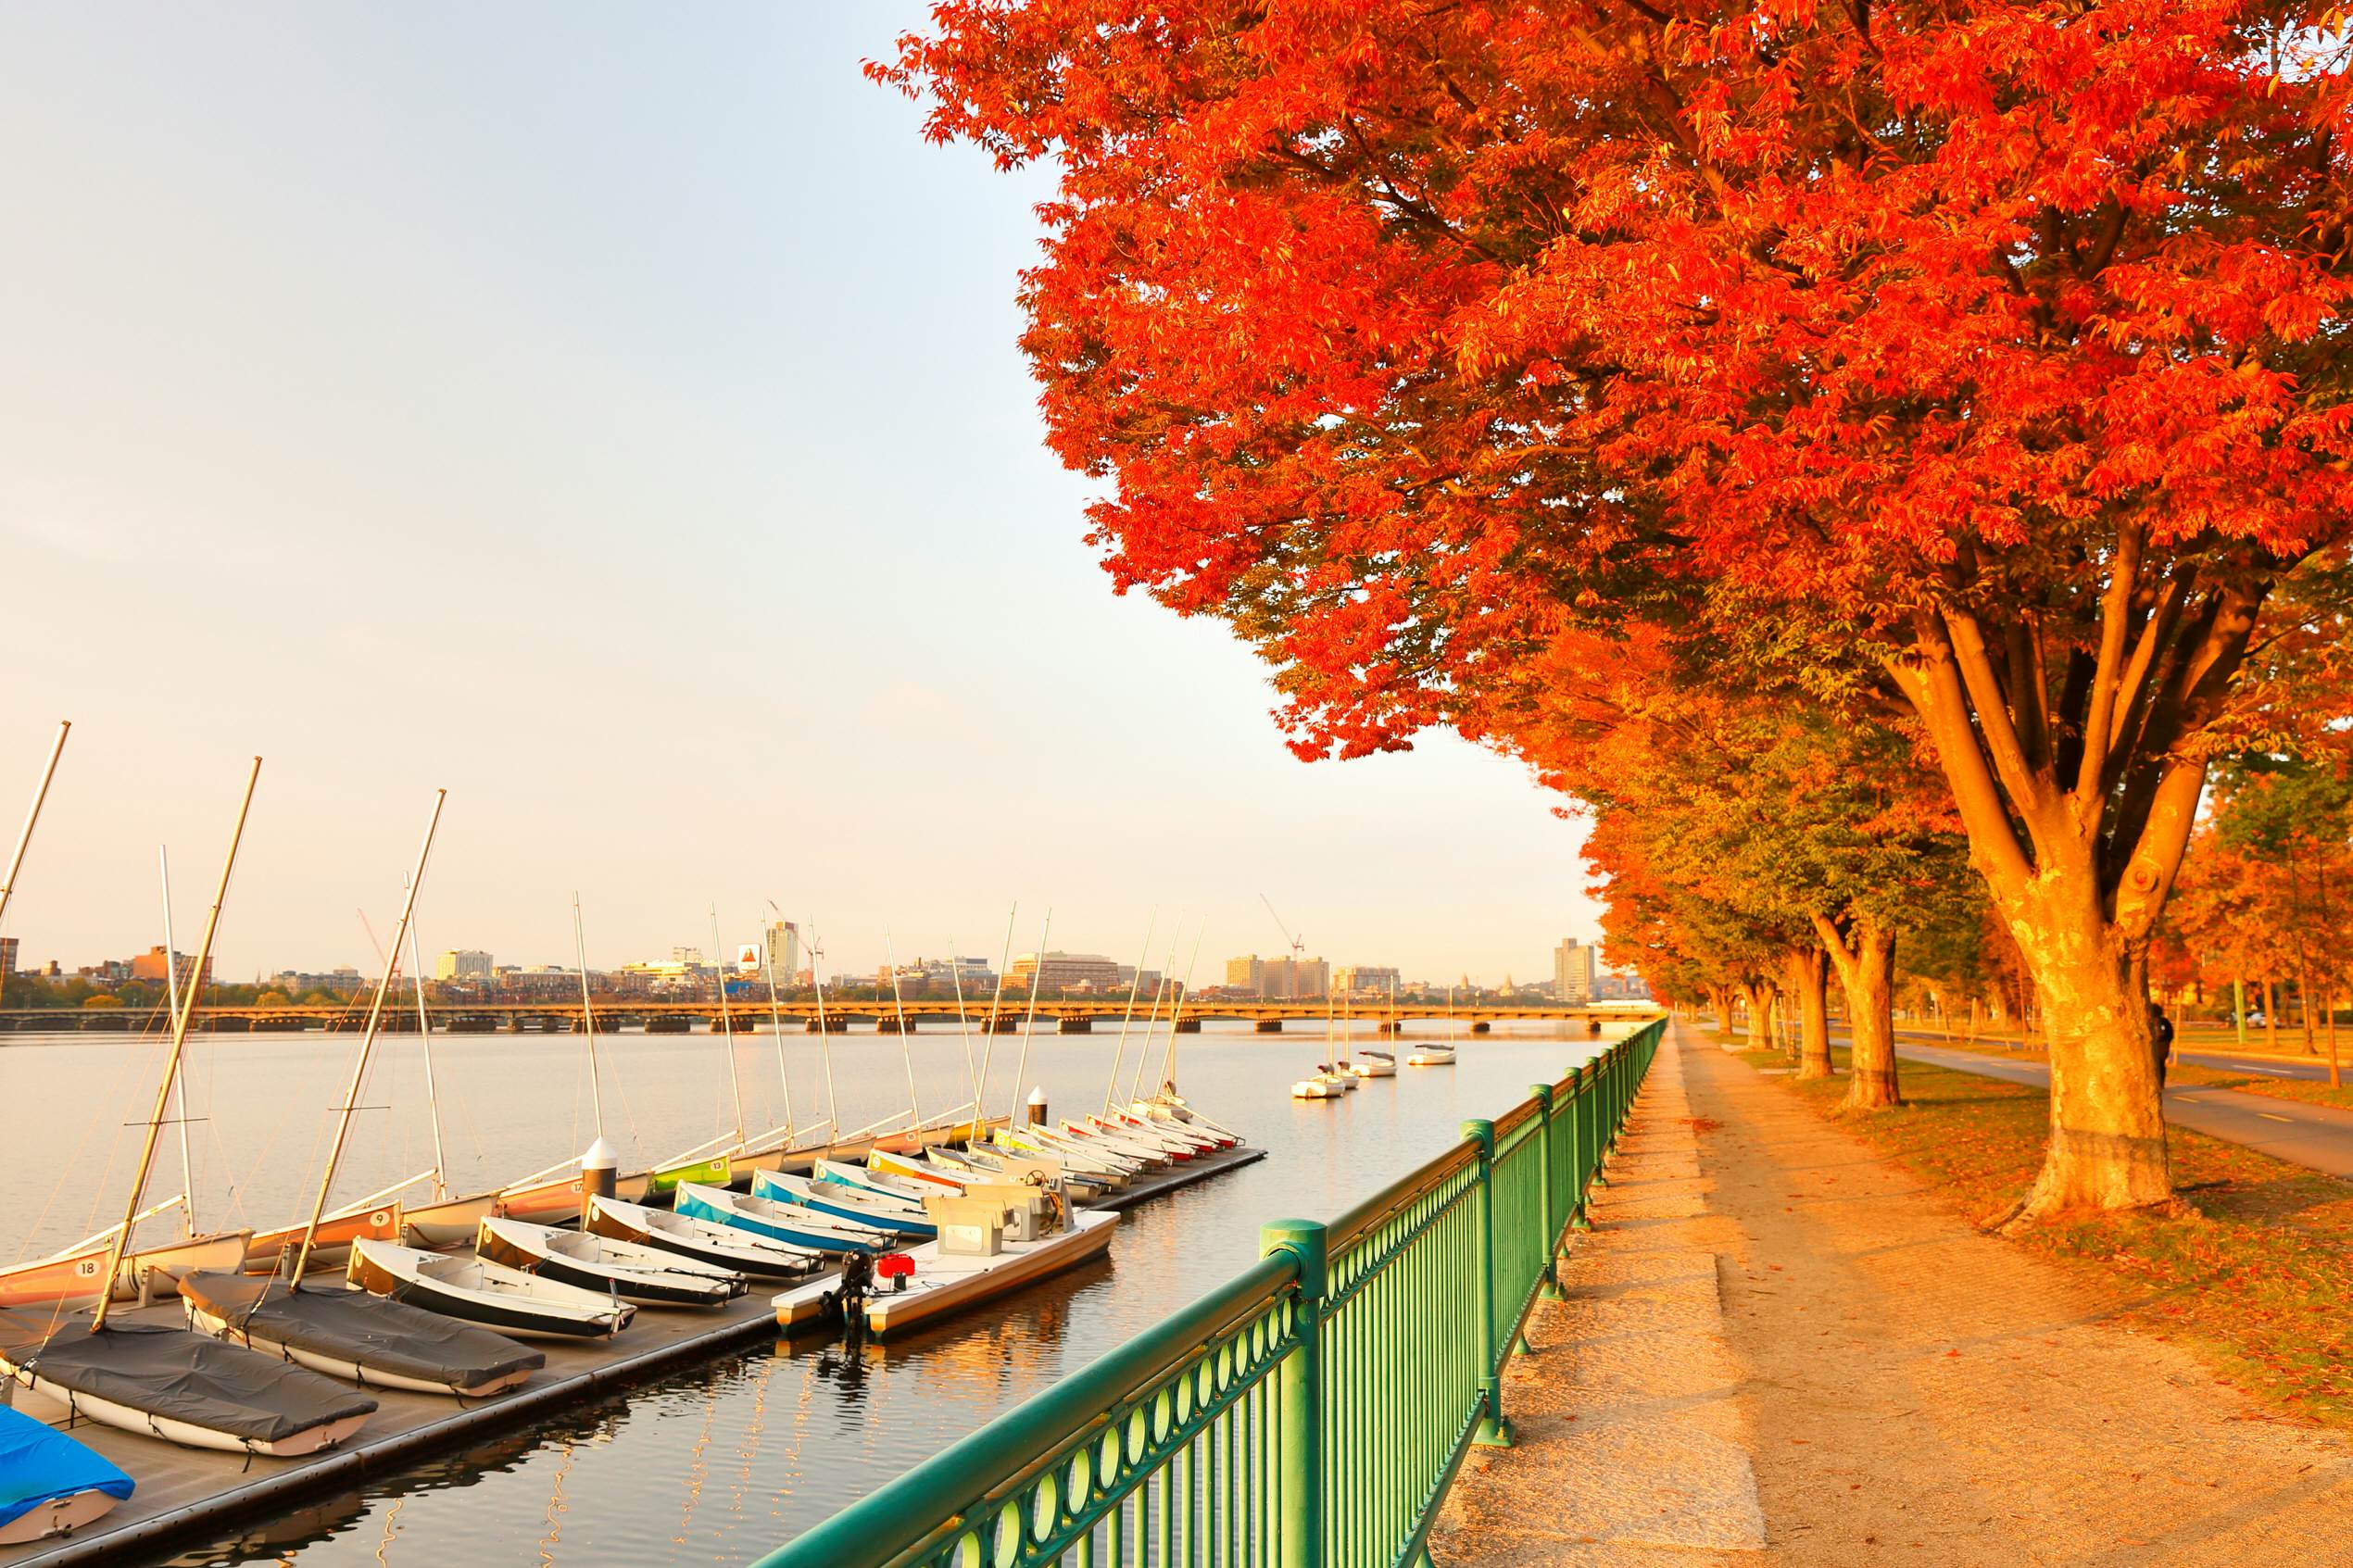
{"points": [[533, 475]]}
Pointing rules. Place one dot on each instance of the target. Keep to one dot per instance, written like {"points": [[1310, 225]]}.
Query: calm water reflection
{"points": [[724, 1461]]}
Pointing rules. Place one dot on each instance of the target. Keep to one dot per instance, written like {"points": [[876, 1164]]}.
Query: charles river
{"points": [[725, 1460]]}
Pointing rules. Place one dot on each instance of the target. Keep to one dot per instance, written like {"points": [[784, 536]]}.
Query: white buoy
{"points": [[599, 1174], [1037, 1106]]}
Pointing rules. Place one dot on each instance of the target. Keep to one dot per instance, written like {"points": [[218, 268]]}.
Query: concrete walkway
{"points": [[1871, 1379]]}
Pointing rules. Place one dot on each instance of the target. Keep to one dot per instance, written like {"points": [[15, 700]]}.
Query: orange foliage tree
{"points": [[1986, 358]]}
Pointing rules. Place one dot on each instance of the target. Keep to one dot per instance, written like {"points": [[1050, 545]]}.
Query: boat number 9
{"points": [[381, 1218]]}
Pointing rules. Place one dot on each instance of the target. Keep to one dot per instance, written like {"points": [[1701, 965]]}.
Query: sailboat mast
{"points": [[989, 1046], [1135, 983], [906, 1053], [1176, 1013], [171, 1063], [963, 1027], [432, 1091], [24, 836], [1167, 983], [179, 1084], [587, 1017], [777, 1022], [825, 1039], [367, 1045], [727, 1025], [1037, 979]]}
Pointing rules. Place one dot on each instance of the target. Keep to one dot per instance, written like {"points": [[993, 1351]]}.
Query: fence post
{"points": [[1494, 1432], [1552, 1220], [1299, 1437], [1580, 1144]]}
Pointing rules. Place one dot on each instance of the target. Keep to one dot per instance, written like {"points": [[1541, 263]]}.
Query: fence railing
{"points": [[1312, 1411]]}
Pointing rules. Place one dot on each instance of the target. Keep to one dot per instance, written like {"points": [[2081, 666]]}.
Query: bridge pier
{"points": [[1073, 1026], [669, 1023], [1482, 1027], [1268, 1026], [891, 1023], [1006, 1024], [835, 1023], [1391, 1028], [1188, 1026]]}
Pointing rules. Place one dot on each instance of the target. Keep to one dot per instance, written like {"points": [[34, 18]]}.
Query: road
{"points": [[2317, 1136]]}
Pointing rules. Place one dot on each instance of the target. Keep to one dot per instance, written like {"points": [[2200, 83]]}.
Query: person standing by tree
{"points": [[2160, 1040]]}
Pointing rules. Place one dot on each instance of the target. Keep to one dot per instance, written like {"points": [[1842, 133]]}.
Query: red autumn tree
{"points": [[1987, 357]]}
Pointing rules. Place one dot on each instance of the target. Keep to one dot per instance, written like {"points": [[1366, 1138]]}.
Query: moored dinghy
{"points": [[184, 1387], [352, 1334], [73, 1274], [492, 1294], [49, 1483], [792, 1223], [860, 1205], [647, 1275], [1431, 1055], [725, 1247]]}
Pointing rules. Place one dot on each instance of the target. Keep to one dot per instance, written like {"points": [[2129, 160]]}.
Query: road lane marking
{"points": [[2268, 1117]]}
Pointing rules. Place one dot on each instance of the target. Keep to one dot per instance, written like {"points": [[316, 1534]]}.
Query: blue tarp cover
{"points": [[38, 1463]]}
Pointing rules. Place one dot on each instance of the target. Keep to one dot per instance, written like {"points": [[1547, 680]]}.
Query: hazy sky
{"points": [[610, 413]]}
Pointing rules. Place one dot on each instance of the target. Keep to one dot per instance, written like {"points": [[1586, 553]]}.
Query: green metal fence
{"points": [[1310, 1412]]}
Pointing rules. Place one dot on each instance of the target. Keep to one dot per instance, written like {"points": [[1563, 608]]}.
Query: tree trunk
{"points": [[1809, 983], [1865, 957], [2304, 1001], [2108, 1124], [2271, 1017], [1720, 1002]]}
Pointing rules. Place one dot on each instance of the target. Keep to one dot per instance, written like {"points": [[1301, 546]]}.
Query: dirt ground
{"points": [[1777, 1349]]}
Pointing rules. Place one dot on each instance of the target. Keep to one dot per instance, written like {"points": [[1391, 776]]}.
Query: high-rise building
{"points": [[1246, 976], [1356, 979], [8, 956], [784, 949], [1061, 971], [151, 965], [1573, 971], [463, 964]]}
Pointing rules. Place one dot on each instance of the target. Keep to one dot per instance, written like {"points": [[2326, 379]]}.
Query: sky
{"points": [[611, 414]]}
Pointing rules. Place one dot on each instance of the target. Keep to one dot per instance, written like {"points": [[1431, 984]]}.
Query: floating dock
{"points": [[187, 1494], [1177, 1177], [191, 1495]]}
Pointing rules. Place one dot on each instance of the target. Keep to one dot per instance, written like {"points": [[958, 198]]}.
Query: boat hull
{"points": [[451, 1223], [681, 1286], [778, 1224], [75, 1278], [509, 1314], [779, 1188], [106, 1413], [738, 1250], [944, 1286], [331, 1248]]}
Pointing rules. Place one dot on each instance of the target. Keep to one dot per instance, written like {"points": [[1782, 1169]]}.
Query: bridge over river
{"points": [[1070, 1016]]}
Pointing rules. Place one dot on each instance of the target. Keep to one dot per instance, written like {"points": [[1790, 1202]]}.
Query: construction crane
{"points": [[1298, 944]]}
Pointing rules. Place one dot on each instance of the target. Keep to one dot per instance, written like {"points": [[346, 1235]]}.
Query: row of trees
{"points": [[1876, 436]]}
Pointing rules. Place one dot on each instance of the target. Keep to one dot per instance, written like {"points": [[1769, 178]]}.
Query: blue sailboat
{"points": [[50, 1485]]}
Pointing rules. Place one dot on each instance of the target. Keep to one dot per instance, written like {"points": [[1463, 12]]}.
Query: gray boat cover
{"points": [[191, 1377], [375, 1334]]}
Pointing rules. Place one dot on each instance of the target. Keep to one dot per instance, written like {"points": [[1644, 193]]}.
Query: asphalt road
{"points": [[2319, 1136]]}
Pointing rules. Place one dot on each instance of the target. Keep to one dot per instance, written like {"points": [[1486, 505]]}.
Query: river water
{"points": [[722, 1461]]}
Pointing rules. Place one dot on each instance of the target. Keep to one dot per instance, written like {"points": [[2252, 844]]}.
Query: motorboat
{"points": [[481, 1290], [725, 1247], [795, 1224], [938, 1283], [865, 1206], [186, 1388], [360, 1337], [51, 1484]]}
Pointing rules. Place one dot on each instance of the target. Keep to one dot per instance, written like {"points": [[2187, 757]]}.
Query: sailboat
{"points": [[1322, 1083], [725, 1247], [792, 1223], [333, 1329], [49, 1483], [486, 1292], [184, 1387], [647, 1275], [1379, 1064], [882, 1212]]}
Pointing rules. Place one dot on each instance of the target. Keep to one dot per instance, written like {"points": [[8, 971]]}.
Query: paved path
{"points": [[1906, 1390], [2320, 1136]]}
